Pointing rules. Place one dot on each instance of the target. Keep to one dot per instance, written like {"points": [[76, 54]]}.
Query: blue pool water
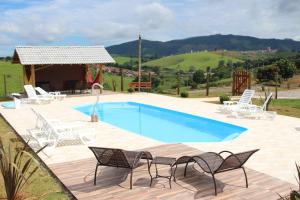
{"points": [[163, 124], [9, 104]]}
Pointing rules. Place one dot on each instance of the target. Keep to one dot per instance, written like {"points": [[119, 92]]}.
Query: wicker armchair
{"points": [[119, 158]]}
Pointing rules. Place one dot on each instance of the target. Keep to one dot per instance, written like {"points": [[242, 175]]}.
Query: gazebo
{"points": [[61, 67]]}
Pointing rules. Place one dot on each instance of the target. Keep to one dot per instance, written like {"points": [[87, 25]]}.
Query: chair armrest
{"points": [[147, 155]]}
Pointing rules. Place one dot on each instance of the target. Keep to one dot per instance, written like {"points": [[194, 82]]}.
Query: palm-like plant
{"points": [[16, 169]]}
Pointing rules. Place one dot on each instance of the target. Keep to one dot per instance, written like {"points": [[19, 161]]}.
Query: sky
{"points": [[108, 22]]}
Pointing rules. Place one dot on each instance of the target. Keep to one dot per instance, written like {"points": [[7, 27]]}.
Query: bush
{"points": [[193, 85], [106, 86], [184, 94], [224, 98], [130, 90]]}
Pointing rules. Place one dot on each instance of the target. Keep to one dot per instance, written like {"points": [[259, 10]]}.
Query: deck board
{"points": [[112, 183]]}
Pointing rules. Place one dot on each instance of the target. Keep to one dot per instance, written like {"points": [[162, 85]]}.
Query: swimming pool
{"points": [[8, 104], [162, 124]]}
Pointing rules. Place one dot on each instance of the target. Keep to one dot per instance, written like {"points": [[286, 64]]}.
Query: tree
{"points": [[267, 74], [287, 69], [198, 76], [221, 63], [229, 64]]}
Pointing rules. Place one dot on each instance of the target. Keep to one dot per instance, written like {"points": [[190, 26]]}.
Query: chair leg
{"points": [[174, 173], [131, 178], [215, 185], [245, 177], [186, 165], [149, 170], [95, 176]]}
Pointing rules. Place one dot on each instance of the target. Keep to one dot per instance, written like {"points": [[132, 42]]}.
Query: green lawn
{"points": [[11, 78], [43, 186], [108, 81], [121, 60], [289, 107], [199, 60]]}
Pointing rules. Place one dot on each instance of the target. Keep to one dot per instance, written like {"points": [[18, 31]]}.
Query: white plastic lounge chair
{"points": [[58, 124], [244, 101], [55, 132], [255, 111], [54, 95], [33, 97]]}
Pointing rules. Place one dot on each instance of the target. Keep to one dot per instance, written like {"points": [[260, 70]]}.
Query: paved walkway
{"points": [[278, 140]]}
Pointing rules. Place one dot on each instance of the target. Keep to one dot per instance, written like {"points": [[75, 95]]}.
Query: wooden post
{"points": [[5, 88], [122, 80], [233, 83], [249, 80], [140, 61], [114, 85], [32, 76], [207, 80], [101, 77], [178, 83], [150, 77]]}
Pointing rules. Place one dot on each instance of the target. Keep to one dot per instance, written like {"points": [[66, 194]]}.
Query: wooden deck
{"points": [[112, 183]]}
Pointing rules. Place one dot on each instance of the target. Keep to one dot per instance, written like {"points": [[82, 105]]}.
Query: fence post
{"points": [[114, 85], [150, 77], [5, 89], [233, 82], [178, 84], [207, 80], [122, 80], [249, 80]]}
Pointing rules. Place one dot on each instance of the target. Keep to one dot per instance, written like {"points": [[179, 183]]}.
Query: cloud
{"points": [[109, 22], [153, 16]]}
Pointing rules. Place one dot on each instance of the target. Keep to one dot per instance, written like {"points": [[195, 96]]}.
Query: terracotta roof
{"points": [[38, 55]]}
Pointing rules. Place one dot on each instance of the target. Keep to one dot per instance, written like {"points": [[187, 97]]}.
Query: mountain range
{"points": [[200, 43]]}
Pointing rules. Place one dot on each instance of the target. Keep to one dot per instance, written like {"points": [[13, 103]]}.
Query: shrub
{"points": [[106, 86], [224, 98], [184, 94], [16, 169], [130, 90]]}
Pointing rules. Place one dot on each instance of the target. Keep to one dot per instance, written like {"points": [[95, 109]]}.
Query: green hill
{"points": [[121, 60], [201, 43], [198, 60]]}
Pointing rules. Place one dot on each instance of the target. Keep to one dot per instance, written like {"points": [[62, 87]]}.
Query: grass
{"points": [[121, 60], [108, 79], [254, 55], [43, 186], [198, 60], [288, 107], [13, 81]]}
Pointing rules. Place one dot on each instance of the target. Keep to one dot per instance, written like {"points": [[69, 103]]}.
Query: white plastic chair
{"points": [[257, 112], [33, 97], [244, 101], [54, 132], [54, 95]]}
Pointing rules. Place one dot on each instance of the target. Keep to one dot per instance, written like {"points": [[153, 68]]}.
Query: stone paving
{"points": [[278, 140]]}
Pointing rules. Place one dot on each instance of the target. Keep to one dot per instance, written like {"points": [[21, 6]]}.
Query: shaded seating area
{"points": [[61, 68]]}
